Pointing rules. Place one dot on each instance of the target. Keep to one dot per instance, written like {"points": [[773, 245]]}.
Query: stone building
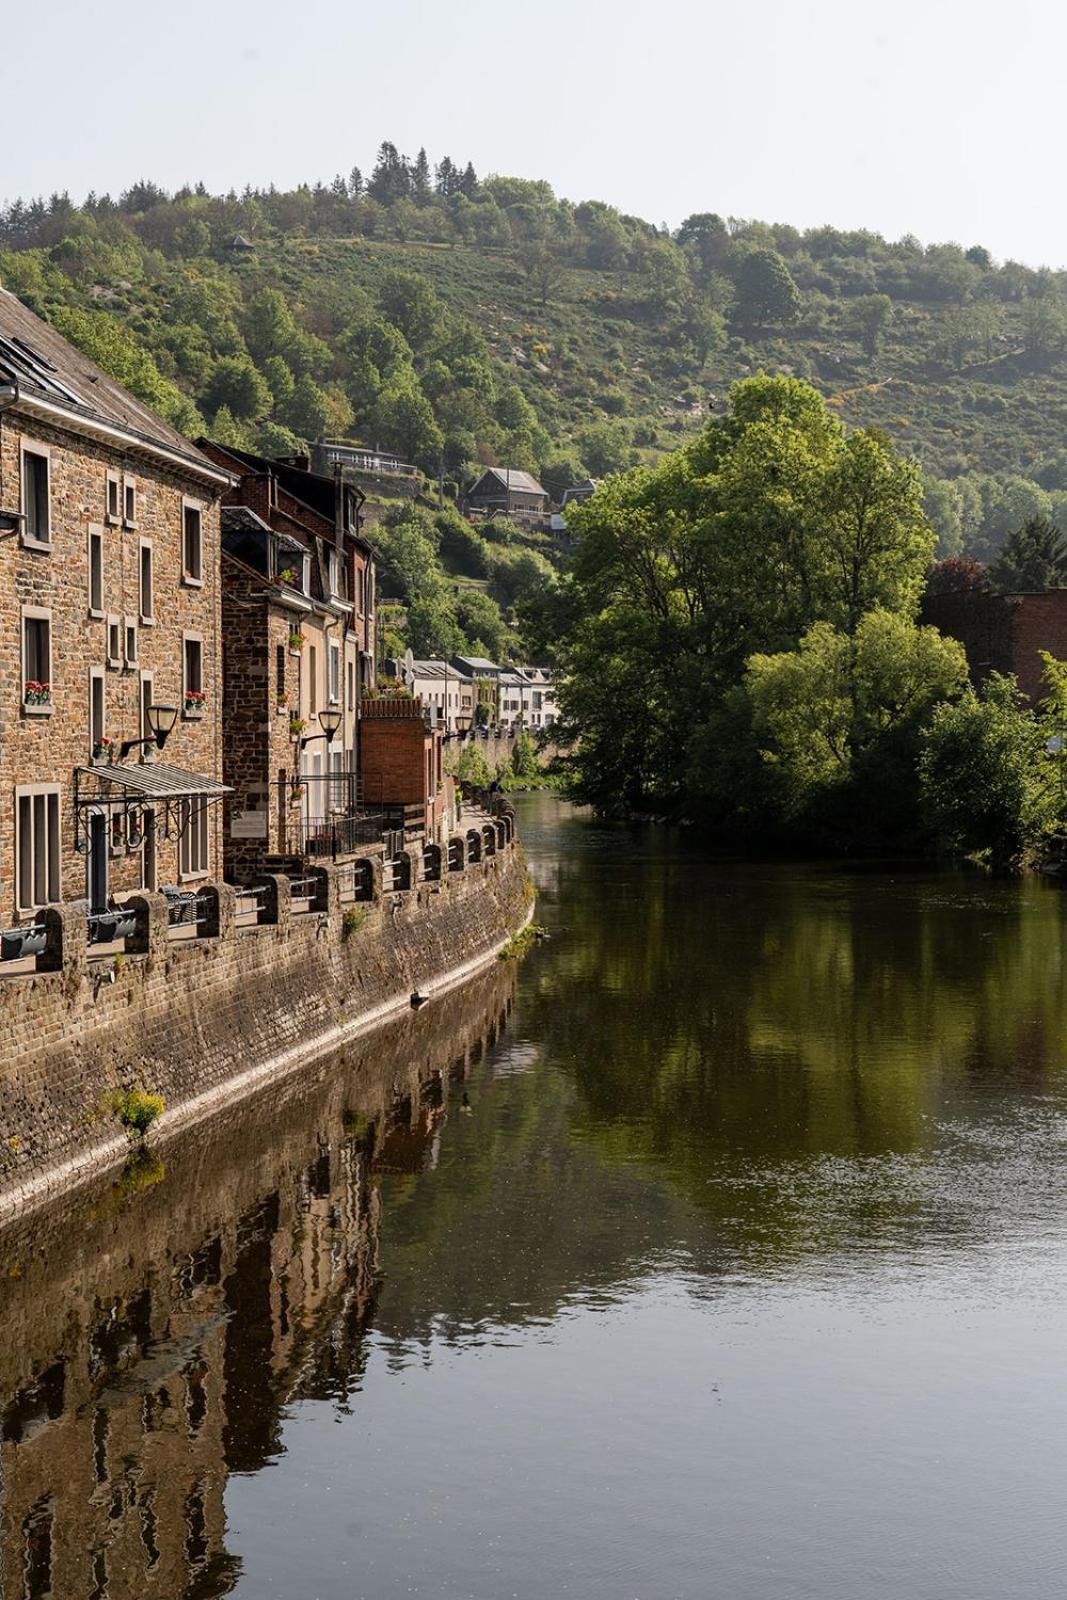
{"points": [[109, 619], [298, 628], [448, 695]]}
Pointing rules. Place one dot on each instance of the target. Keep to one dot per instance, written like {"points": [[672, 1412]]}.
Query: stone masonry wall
{"points": [[202, 1020], [45, 746]]}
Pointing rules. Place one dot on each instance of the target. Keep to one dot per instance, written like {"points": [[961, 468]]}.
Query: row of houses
{"points": [[189, 638], [470, 692]]}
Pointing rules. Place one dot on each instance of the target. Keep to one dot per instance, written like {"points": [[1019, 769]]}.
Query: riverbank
{"points": [[205, 1021]]}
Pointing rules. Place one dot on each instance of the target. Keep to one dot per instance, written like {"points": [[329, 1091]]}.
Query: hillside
{"points": [[458, 321]]}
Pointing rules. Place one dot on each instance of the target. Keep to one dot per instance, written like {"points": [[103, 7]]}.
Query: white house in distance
{"points": [[527, 699], [448, 695]]}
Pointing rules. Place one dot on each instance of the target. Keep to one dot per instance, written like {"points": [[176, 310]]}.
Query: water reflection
{"points": [[157, 1328], [719, 1248]]}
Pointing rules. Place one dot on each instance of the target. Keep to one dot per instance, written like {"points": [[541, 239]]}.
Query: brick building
{"points": [[1003, 632], [401, 764], [109, 621], [298, 628]]}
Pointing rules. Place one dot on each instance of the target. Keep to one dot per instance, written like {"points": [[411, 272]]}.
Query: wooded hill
{"points": [[460, 321]]}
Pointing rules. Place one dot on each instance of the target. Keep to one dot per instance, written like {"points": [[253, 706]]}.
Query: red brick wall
{"points": [[1039, 622]]}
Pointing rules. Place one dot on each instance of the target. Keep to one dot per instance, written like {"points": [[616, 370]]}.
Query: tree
{"points": [[235, 384], [391, 178], [543, 269], [480, 619], [825, 714], [870, 317], [983, 774], [766, 293], [957, 575], [410, 304], [525, 767], [403, 419], [1032, 560], [421, 186]]}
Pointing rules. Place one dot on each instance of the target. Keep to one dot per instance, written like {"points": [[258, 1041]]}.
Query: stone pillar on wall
{"points": [[66, 939], [220, 916], [278, 901], [153, 921], [327, 890]]}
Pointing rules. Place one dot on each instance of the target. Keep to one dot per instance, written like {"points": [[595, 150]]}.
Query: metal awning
{"points": [[142, 795], [152, 780]]}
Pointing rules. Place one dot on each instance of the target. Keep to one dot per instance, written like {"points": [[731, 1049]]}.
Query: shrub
{"points": [[137, 1109], [352, 921]]}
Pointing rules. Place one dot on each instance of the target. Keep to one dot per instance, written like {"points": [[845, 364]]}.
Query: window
{"points": [[129, 502], [337, 782], [333, 667], [114, 642], [129, 641], [37, 527], [97, 710], [193, 846], [192, 675], [37, 845], [113, 498], [192, 543], [96, 572], [279, 673], [36, 660], [147, 691], [351, 686], [333, 571], [313, 680], [146, 583]]}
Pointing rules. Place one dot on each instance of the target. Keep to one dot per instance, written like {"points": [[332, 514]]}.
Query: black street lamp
{"points": [[160, 720], [329, 721]]}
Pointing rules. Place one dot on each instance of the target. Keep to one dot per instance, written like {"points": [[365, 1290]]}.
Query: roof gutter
{"points": [[113, 434]]}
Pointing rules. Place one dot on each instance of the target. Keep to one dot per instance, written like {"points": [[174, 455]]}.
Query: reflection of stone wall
{"points": [[204, 1020], [155, 1326]]}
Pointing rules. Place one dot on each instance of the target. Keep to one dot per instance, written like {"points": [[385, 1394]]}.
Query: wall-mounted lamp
{"points": [[161, 720]]}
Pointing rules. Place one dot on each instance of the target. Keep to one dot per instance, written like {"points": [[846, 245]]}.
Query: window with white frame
{"points": [[114, 642], [129, 641], [96, 572], [113, 498], [351, 686], [333, 571], [36, 496], [97, 709], [192, 542], [129, 501], [36, 659], [146, 581], [193, 846], [313, 680], [333, 668], [192, 675], [37, 846]]}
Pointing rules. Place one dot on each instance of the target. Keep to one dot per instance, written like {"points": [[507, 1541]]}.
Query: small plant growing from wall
{"points": [[352, 921], [137, 1109], [296, 727], [296, 641]]}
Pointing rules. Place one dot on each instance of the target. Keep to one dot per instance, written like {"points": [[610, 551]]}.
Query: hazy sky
{"points": [[935, 117]]}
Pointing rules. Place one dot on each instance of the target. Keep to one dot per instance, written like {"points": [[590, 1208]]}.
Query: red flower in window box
{"points": [[195, 699], [37, 694]]}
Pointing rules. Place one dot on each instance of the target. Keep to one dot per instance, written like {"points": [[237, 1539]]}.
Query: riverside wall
{"points": [[221, 1009]]}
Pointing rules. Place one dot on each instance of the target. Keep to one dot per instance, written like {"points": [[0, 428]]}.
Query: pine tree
{"points": [[420, 179], [446, 178], [355, 183], [391, 178], [468, 183]]}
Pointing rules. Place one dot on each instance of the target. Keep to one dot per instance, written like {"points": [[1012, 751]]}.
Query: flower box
{"points": [[296, 642], [296, 727], [36, 694], [195, 700]]}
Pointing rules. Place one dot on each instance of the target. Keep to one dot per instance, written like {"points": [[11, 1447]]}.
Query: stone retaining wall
{"points": [[204, 1019]]}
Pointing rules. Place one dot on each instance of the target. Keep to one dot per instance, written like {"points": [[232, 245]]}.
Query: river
{"points": [[717, 1248]]}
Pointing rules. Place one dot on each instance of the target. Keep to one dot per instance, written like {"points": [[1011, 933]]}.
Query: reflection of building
{"points": [[109, 554], [134, 1379]]}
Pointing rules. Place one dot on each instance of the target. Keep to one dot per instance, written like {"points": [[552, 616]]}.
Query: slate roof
{"points": [[46, 367], [513, 478]]}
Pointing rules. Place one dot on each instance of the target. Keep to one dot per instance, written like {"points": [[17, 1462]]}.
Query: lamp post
{"points": [[160, 720], [329, 721]]}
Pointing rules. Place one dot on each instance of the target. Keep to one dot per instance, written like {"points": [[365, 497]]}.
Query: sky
{"points": [[933, 117]]}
